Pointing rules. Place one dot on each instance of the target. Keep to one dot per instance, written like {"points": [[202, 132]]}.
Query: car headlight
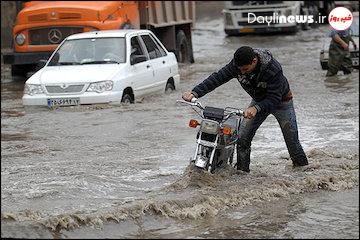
{"points": [[100, 87], [20, 39], [33, 89], [209, 126]]}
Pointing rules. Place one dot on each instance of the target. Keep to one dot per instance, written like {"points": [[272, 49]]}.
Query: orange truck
{"points": [[42, 25]]}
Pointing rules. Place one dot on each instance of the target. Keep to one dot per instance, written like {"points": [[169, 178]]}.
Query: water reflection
{"points": [[340, 83]]}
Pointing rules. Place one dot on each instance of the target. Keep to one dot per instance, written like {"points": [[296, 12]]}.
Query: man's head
{"points": [[245, 59]]}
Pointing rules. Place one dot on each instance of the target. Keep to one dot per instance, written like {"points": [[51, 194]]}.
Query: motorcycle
{"points": [[217, 135]]}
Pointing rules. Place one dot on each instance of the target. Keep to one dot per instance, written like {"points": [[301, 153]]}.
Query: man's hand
{"points": [[187, 96], [250, 112], [345, 46]]}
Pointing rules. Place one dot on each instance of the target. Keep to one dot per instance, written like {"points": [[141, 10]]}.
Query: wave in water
{"points": [[198, 194]]}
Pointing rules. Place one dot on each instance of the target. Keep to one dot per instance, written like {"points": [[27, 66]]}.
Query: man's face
{"points": [[248, 68]]}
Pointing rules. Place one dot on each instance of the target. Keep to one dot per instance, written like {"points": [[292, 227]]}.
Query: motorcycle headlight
{"points": [[100, 87], [33, 89], [20, 39], [209, 126]]}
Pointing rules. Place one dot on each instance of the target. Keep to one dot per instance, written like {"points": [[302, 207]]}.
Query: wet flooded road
{"points": [[122, 171]]}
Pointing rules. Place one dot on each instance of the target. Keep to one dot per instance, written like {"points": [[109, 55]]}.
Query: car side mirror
{"points": [[134, 59]]}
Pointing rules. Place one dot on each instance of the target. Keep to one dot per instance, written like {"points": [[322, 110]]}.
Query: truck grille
{"points": [[68, 89], [49, 36]]}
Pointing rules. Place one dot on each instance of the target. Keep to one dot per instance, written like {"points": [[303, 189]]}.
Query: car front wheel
{"points": [[126, 98], [169, 87]]}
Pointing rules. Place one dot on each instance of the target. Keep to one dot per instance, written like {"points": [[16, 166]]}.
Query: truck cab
{"points": [[42, 25]]}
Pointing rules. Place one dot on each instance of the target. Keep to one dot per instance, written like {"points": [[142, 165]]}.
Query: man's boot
{"points": [[330, 74], [345, 70], [243, 157], [300, 160]]}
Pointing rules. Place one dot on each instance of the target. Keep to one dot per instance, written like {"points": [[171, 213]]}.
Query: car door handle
{"points": [[147, 66]]}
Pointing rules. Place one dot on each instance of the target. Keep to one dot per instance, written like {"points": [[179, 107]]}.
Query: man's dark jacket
{"points": [[268, 87]]}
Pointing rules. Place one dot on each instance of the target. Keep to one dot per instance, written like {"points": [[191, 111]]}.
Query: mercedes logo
{"points": [[54, 36]]}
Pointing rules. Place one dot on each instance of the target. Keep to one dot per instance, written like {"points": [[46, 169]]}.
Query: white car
{"points": [[103, 67]]}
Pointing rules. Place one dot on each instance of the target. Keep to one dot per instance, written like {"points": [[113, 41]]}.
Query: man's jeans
{"points": [[285, 115]]}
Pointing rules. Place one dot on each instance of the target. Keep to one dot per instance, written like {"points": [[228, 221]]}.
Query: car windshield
{"points": [[90, 51], [355, 25]]}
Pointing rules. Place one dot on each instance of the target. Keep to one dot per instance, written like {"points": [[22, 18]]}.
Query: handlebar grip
{"points": [[194, 99], [240, 113]]}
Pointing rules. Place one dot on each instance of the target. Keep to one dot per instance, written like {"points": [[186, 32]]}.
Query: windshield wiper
{"points": [[100, 62]]}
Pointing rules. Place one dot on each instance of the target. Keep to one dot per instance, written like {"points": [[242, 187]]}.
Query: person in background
{"points": [[339, 54]]}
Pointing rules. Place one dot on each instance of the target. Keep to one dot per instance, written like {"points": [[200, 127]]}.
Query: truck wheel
{"points": [[314, 10], [306, 25], [330, 5], [182, 47], [19, 71]]}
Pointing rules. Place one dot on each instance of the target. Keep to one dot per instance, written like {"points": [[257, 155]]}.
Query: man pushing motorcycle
{"points": [[261, 76]]}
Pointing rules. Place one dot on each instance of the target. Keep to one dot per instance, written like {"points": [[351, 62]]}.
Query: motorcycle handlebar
{"points": [[194, 102], [236, 111]]}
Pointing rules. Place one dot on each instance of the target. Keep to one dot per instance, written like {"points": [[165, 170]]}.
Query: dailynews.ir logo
{"points": [[340, 18]]}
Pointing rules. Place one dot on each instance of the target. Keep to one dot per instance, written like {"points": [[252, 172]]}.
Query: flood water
{"points": [[123, 171]]}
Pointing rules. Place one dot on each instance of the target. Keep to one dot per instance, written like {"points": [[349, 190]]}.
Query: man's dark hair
{"points": [[244, 56]]}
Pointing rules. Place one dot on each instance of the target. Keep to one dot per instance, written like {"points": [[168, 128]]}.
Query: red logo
{"points": [[340, 18]]}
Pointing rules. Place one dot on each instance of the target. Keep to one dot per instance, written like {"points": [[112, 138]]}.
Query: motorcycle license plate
{"points": [[53, 102]]}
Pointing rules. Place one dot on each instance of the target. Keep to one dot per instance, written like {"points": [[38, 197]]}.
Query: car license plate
{"points": [[247, 30], [52, 102]]}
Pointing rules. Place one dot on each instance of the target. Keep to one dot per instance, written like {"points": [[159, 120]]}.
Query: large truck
{"points": [[244, 17], [42, 25]]}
